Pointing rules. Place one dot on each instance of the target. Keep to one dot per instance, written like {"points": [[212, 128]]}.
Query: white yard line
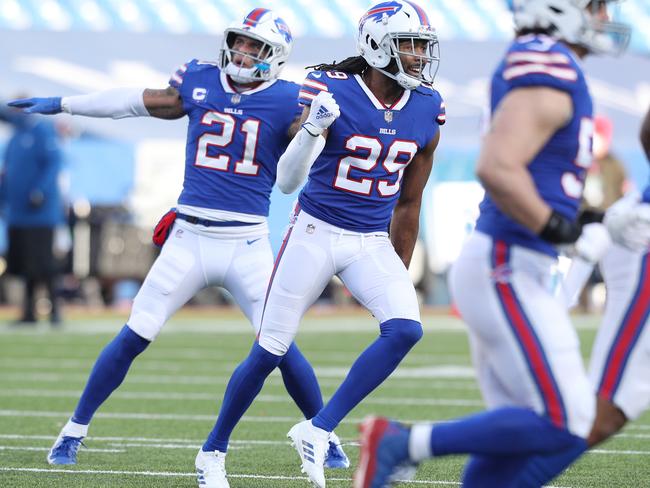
{"points": [[250, 443], [440, 371], [217, 327], [175, 443], [171, 416], [211, 397], [192, 475], [152, 440], [36, 448], [460, 383], [619, 452]]}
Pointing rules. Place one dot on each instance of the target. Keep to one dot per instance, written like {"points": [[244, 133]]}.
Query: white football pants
{"points": [[191, 260], [524, 347], [620, 358], [312, 252]]}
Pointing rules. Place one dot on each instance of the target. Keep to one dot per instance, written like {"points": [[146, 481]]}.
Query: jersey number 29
{"points": [[374, 148]]}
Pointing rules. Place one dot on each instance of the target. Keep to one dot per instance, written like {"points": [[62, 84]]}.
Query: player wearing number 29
{"points": [[241, 118], [532, 163], [369, 130]]}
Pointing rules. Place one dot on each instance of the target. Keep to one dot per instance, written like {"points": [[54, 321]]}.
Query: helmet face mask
{"points": [[582, 23], [275, 41], [604, 36], [422, 49], [396, 31]]}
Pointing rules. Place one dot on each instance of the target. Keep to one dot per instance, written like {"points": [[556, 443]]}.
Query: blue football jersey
{"points": [[560, 168], [234, 140], [355, 182], [646, 194]]}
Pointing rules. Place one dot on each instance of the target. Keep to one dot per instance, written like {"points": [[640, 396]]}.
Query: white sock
{"points": [[420, 442], [73, 429]]}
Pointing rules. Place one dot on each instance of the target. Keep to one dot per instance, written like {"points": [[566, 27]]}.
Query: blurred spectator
{"points": [[604, 185], [31, 201], [606, 177]]}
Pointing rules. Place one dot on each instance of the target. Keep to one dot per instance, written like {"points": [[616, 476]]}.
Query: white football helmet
{"points": [[381, 30], [574, 21], [266, 27]]}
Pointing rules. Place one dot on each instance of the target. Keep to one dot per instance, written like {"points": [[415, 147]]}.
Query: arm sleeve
{"points": [[296, 161], [118, 103]]}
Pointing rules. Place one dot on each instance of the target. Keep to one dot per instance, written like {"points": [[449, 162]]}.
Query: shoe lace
{"points": [[69, 446], [333, 451]]}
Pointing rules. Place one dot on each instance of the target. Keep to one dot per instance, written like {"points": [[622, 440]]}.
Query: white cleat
{"points": [[311, 444], [211, 469]]}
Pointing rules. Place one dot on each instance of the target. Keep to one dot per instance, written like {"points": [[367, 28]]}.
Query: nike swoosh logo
{"points": [[254, 240]]}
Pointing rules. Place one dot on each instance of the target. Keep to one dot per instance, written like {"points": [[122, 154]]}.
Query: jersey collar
{"points": [[228, 88], [399, 103]]}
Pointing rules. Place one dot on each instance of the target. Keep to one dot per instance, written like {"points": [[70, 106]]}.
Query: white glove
{"points": [[575, 280], [593, 242], [628, 222], [324, 111], [590, 247]]}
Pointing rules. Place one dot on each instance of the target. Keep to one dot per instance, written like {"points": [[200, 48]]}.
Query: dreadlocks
{"points": [[352, 65]]}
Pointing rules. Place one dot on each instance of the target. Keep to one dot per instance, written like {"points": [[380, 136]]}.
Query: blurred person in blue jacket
{"points": [[31, 201]]}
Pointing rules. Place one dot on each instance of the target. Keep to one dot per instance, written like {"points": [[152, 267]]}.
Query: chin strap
{"points": [[403, 80]]}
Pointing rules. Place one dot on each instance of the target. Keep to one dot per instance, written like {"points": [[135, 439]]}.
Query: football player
{"points": [[241, 118], [619, 360], [368, 134], [526, 352]]}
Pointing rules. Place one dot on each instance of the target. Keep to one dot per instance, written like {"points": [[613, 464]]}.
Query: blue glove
{"points": [[48, 106]]}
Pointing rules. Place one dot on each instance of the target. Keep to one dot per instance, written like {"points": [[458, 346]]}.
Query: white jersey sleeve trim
{"points": [[532, 68]]}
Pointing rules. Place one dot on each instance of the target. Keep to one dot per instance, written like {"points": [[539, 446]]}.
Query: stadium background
{"points": [[122, 175]]}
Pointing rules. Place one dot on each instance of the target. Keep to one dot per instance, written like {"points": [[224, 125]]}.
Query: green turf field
{"points": [[148, 433]]}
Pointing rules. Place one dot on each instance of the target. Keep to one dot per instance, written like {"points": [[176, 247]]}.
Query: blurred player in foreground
{"points": [[241, 118], [369, 130], [533, 164]]}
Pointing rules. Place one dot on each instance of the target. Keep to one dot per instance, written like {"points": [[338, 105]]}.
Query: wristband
{"points": [[560, 230]]}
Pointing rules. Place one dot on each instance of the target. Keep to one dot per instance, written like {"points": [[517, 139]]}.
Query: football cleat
{"points": [[211, 469], [384, 455], [64, 450], [311, 444], [335, 458]]}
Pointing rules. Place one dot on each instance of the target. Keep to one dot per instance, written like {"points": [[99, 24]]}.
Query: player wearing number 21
{"points": [[241, 118], [369, 130]]}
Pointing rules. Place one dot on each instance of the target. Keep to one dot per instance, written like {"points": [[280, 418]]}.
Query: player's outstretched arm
{"points": [[405, 224], [304, 148], [118, 103], [523, 123]]}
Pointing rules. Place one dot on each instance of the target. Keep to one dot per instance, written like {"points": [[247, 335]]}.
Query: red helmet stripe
{"points": [[424, 19], [252, 18]]}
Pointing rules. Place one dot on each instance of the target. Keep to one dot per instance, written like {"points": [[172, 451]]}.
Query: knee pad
{"points": [[146, 325]]}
